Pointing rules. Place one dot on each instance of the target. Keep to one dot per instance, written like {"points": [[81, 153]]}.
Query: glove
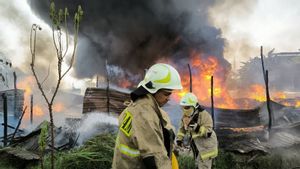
{"points": [[194, 127], [179, 143]]}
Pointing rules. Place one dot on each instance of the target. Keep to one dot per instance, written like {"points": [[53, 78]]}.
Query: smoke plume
{"points": [[134, 34]]}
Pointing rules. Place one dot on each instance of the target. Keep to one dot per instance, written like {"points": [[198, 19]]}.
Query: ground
{"points": [[98, 153]]}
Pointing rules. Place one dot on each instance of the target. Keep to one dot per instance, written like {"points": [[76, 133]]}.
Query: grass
{"points": [[98, 153], [281, 158]]}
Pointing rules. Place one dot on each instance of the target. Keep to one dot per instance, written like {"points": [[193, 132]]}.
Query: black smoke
{"points": [[134, 34]]}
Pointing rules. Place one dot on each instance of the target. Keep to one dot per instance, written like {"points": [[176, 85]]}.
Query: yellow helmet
{"points": [[161, 76], [189, 99]]}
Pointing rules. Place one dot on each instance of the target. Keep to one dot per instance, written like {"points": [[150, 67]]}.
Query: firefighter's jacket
{"points": [[202, 136], [144, 132]]}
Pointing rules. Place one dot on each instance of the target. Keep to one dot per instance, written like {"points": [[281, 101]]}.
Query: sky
{"points": [[246, 26], [267, 23]]}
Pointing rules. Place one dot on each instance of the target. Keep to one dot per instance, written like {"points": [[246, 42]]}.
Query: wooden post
{"points": [[212, 100], [268, 102], [262, 62], [191, 82], [107, 88], [266, 79], [18, 125], [97, 81], [4, 119], [31, 109], [15, 95]]}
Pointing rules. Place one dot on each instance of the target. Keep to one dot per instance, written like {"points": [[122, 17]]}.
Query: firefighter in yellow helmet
{"points": [[198, 123], [145, 134]]}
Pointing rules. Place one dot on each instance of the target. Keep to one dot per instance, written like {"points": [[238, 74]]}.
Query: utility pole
{"points": [[212, 100], [4, 98], [191, 81], [31, 109], [97, 81], [266, 80], [15, 94], [107, 87]]}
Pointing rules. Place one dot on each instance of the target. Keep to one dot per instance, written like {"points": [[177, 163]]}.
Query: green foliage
{"points": [[59, 17], [95, 153], [78, 15], [186, 162], [43, 141], [43, 136], [5, 164], [98, 153]]}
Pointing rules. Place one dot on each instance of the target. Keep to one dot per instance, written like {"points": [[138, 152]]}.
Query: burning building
{"points": [[283, 68], [130, 36], [8, 87], [11, 98]]}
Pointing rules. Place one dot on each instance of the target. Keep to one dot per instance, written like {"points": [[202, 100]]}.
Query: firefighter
{"points": [[145, 134], [198, 123]]}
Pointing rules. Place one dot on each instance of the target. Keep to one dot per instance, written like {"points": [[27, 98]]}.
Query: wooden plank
{"points": [[95, 99]]}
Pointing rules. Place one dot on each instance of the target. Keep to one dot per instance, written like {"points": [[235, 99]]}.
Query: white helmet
{"points": [[161, 76], [189, 99]]}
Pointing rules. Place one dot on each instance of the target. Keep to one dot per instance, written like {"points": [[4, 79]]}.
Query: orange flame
{"points": [[203, 69], [247, 129], [125, 83], [292, 103], [279, 95], [58, 107], [257, 92], [297, 103], [28, 84]]}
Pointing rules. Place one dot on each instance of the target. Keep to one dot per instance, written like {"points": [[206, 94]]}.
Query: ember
{"points": [[246, 129]]}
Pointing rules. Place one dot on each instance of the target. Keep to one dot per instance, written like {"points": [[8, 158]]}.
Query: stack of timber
{"points": [[15, 101], [234, 125], [103, 100], [236, 118]]}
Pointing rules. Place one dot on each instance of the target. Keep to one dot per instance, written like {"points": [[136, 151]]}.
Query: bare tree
{"points": [[59, 23]]}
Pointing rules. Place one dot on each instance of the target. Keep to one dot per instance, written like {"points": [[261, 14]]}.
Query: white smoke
{"points": [[95, 123]]}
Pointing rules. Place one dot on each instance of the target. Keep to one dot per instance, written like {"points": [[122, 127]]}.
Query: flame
{"points": [[247, 129], [38, 111], [28, 84], [297, 103], [203, 68], [257, 92], [125, 83], [58, 107], [179, 94], [286, 103], [279, 95], [291, 103]]}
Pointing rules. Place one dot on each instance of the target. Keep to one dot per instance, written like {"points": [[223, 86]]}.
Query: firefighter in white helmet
{"points": [[198, 123], [145, 134]]}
